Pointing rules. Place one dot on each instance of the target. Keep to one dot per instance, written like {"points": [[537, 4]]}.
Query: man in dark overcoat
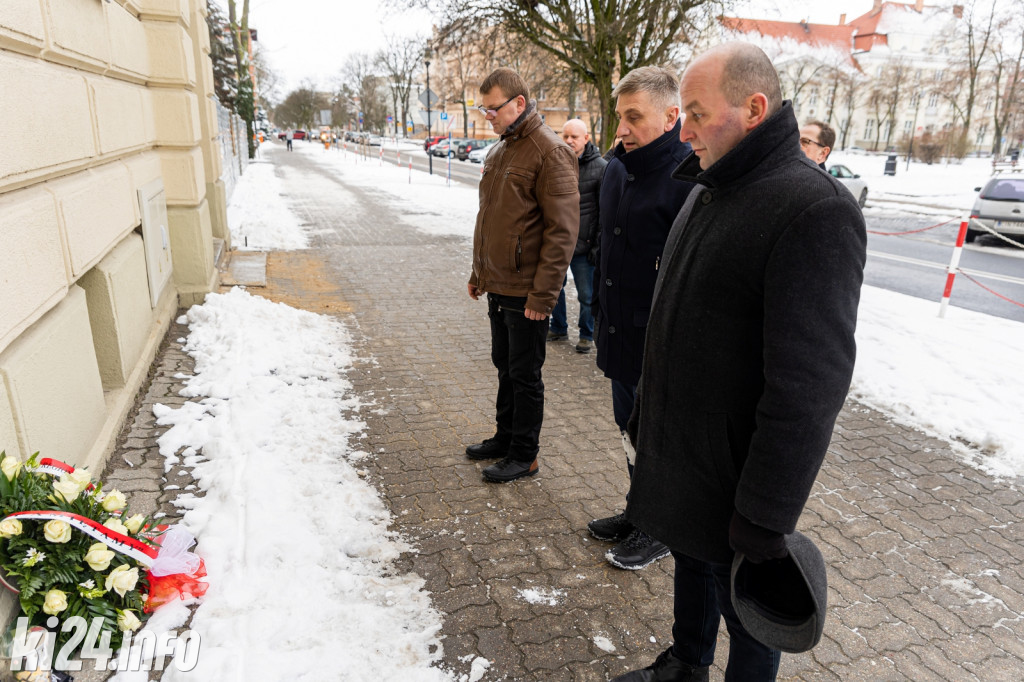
{"points": [[639, 200], [749, 353]]}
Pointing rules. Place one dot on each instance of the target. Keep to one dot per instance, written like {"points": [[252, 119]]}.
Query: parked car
{"points": [[432, 140], [478, 155], [374, 140], [858, 186], [444, 148], [999, 206], [467, 146]]}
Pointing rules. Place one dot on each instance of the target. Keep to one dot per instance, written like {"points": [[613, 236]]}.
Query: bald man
{"points": [[592, 165], [748, 356]]}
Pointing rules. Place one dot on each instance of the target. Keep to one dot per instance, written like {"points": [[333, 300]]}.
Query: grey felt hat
{"points": [[782, 602]]}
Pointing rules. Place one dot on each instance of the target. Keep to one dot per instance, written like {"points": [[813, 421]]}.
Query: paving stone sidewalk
{"points": [[924, 552]]}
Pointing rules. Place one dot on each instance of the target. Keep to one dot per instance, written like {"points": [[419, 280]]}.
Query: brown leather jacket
{"points": [[529, 215]]}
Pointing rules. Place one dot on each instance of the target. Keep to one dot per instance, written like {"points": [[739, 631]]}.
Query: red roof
{"points": [[818, 35]]}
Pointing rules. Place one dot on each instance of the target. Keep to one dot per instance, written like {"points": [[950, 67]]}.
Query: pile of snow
{"points": [[302, 581], [258, 215]]}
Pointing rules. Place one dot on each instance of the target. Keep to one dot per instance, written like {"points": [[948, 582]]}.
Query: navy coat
{"points": [[591, 171], [750, 347], [639, 201]]}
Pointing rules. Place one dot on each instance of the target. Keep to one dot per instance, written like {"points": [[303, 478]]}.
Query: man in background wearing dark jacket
{"points": [[575, 134], [639, 200], [749, 355]]}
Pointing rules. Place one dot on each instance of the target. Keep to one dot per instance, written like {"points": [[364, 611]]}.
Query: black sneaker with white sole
{"points": [[611, 529], [636, 551]]}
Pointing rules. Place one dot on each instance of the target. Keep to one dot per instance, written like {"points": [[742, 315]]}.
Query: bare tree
{"points": [[969, 46], [1008, 76], [300, 108], [462, 63], [597, 40], [362, 75], [852, 88], [400, 60], [244, 99]]}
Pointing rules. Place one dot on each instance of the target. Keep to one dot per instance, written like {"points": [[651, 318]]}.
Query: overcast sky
{"points": [[312, 38]]}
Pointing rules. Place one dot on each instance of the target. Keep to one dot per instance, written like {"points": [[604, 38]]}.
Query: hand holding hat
{"points": [[756, 543]]}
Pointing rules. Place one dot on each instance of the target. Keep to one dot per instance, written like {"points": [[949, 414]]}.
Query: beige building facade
{"points": [[111, 202]]}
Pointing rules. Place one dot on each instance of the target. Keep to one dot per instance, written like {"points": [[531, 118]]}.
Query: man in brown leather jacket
{"points": [[524, 238]]}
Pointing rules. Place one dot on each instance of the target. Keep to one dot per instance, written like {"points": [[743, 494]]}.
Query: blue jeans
{"points": [[583, 275], [518, 348], [702, 598]]}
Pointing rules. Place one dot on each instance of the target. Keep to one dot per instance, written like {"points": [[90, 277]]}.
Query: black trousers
{"points": [[518, 347]]}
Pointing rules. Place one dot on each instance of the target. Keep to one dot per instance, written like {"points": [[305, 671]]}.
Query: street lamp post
{"points": [[430, 157], [913, 131]]}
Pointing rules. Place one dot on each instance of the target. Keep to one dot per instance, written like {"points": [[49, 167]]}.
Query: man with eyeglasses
{"points": [[525, 234], [816, 140]]}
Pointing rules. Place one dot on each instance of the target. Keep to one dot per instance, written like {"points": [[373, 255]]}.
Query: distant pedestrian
{"points": [[592, 166], [525, 234], [639, 201], [749, 353], [816, 140], [288, 137]]}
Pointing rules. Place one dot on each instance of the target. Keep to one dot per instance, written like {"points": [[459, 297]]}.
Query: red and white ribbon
{"points": [[119, 542]]}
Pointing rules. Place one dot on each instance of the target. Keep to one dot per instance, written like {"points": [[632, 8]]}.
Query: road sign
{"points": [[424, 99], [325, 117], [444, 115], [390, 118]]}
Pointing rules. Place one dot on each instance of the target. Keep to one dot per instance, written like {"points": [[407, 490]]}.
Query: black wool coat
{"points": [[639, 200], [750, 347], [592, 167]]}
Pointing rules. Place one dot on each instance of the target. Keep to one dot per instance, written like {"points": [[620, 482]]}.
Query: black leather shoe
{"points": [[510, 469], [492, 448], [636, 551], [666, 668], [611, 529]]}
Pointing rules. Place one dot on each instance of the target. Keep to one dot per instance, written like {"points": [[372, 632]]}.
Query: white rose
{"points": [[67, 488], [134, 523], [127, 621], [54, 602], [10, 466], [10, 527], [98, 557], [114, 500], [122, 579], [81, 477], [116, 526], [57, 531]]}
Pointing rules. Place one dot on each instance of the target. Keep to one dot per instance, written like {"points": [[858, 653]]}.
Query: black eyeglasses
{"points": [[494, 112], [804, 141]]}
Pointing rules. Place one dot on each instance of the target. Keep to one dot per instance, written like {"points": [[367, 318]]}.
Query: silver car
{"points": [[999, 207], [853, 182]]}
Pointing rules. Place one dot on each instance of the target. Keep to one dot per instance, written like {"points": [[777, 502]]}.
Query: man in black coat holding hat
{"points": [[749, 354]]}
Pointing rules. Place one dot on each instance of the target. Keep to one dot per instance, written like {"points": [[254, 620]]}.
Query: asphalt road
{"points": [[909, 262], [916, 263]]}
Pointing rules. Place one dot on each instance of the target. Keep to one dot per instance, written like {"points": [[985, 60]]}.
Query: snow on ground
{"points": [[427, 203], [296, 543], [258, 216], [941, 189]]}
